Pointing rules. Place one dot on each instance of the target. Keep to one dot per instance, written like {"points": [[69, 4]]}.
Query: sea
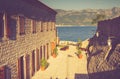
{"points": [[76, 32]]}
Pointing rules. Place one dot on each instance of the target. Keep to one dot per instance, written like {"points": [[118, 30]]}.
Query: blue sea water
{"points": [[76, 32]]}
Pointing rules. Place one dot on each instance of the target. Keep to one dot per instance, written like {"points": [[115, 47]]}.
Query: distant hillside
{"points": [[83, 17]]}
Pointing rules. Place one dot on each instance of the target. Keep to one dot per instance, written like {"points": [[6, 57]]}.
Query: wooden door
{"points": [[27, 66], [44, 52], [40, 52], [2, 72], [20, 68], [37, 60], [33, 63], [47, 50]]}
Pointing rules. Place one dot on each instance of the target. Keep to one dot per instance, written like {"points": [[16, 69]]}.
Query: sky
{"points": [[81, 4]]}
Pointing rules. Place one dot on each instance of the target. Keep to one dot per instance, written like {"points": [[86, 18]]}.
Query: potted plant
{"points": [[79, 54], [43, 64], [79, 43], [55, 53]]}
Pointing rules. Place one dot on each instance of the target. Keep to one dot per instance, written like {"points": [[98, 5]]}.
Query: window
{"points": [[53, 26], [27, 66], [42, 24], [33, 26], [1, 25], [11, 27], [47, 50], [40, 52], [47, 25], [22, 25], [44, 51], [37, 59]]}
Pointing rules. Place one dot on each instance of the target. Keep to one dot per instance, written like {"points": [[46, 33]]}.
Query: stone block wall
{"points": [[104, 59], [12, 50]]}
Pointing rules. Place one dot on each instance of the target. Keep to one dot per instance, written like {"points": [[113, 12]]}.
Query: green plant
{"points": [[55, 51], [79, 43], [79, 52], [44, 62]]}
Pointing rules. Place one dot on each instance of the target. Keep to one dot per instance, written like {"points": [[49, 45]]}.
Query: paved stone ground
{"points": [[66, 66]]}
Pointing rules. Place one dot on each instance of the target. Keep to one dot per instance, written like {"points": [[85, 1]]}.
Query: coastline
{"points": [[64, 42], [76, 32], [84, 43], [75, 26]]}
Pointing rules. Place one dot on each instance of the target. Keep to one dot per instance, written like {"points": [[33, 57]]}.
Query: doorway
{"points": [[21, 68], [40, 52]]}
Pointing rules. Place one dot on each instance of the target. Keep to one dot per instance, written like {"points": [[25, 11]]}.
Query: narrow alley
{"points": [[65, 66]]}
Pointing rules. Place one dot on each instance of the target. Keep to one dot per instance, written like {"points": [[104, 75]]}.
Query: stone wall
{"points": [[12, 50], [20, 54], [104, 59]]}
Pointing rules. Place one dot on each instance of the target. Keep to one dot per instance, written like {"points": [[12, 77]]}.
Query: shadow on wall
{"points": [[81, 76], [114, 74], [8, 73]]}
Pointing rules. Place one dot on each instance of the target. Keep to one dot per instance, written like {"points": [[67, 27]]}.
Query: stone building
{"points": [[109, 27], [27, 30], [104, 51]]}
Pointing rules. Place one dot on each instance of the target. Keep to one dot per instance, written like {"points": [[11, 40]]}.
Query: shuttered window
{"points": [[39, 23], [22, 25], [20, 68], [37, 59], [42, 24], [44, 51], [51, 25], [47, 50], [47, 25], [27, 59], [33, 26], [40, 52], [1, 25]]}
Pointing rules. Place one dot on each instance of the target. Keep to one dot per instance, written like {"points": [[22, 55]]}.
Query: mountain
{"points": [[84, 17]]}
